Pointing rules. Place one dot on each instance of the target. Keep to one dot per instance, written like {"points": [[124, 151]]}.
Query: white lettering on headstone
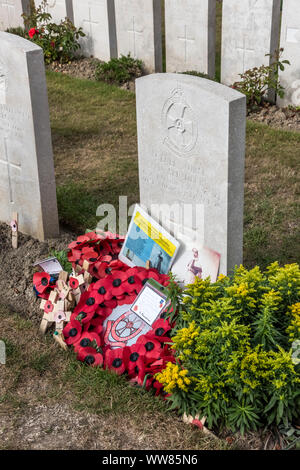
{"points": [[190, 35], [191, 138]]}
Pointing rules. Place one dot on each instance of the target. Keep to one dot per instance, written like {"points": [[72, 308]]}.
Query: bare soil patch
{"points": [[16, 269], [279, 118]]}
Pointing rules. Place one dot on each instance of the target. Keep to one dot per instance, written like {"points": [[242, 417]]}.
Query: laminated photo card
{"points": [[194, 262], [148, 244]]}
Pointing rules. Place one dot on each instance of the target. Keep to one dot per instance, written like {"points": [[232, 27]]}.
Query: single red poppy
{"points": [[137, 370], [90, 356], [146, 274], [82, 315], [132, 283], [72, 331], [117, 359], [91, 256], [74, 256], [48, 308], [103, 269], [75, 245], [152, 348], [87, 339], [96, 325], [117, 283], [136, 352], [117, 265], [73, 283], [160, 331], [41, 281], [106, 288], [83, 238], [158, 387]]}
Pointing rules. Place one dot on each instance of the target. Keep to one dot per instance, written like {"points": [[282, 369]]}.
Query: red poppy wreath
{"points": [[113, 284]]}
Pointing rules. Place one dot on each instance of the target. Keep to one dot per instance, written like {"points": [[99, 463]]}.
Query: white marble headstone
{"points": [[190, 35], [191, 143], [27, 182], [59, 9], [290, 41], [250, 30], [97, 19], [10, 13], [138, 26]]}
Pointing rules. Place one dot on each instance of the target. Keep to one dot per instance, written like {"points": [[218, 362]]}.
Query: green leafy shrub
{"points": [[119, 71], [237, 341], [258, 82], [58, 41]]}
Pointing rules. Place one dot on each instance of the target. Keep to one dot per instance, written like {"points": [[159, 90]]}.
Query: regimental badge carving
{"points": [[179, 124], [3, 84]]}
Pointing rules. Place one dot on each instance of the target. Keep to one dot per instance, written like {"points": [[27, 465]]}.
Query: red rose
{"points": [[32, 32]]}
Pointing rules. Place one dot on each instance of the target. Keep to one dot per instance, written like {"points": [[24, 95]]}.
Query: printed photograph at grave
{"points": [[250, 30], [140, 249], [194, 262]]}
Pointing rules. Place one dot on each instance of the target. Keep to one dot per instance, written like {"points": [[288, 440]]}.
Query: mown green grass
{"points": [[38, 371], [95, 147]]}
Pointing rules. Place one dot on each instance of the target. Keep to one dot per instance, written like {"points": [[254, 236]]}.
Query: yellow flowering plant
{"points": [[234, 341]]}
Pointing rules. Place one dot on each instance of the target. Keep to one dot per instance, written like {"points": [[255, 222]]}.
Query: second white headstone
{"points": [[250, 30], [191, 143], [190, 36]]}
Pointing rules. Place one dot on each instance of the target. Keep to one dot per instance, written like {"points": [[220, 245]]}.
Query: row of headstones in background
{"points": [[27, 182], [191, 141], [250, 30], [118, 27], [10, 13]]}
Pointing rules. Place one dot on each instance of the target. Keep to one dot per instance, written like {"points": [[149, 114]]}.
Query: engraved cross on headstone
{"points": [[186, 40], [244, 51], [90, 23], [134, 32], [4, 159]]}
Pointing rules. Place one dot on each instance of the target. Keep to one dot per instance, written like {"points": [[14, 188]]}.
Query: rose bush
{"points": [[58, 41]]}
